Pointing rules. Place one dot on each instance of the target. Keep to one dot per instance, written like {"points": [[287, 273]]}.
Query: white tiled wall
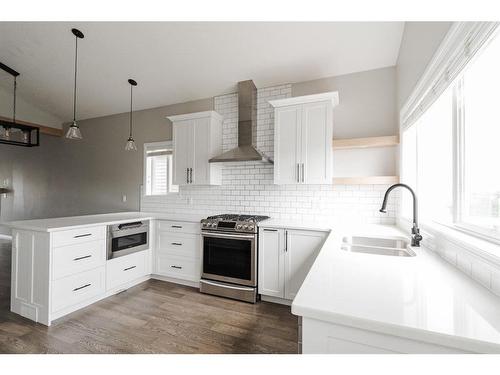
{"points": [[247, 187]]}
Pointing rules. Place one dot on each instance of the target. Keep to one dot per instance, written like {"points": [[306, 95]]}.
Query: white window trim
{"points": [[458, 47], [148, 147]]}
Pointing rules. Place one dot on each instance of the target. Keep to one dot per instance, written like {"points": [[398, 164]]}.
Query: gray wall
{"points": [[102, 171], [419, 43], [367, 102]]}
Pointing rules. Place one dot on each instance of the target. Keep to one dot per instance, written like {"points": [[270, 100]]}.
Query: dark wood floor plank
{"points": [[153, 317]]}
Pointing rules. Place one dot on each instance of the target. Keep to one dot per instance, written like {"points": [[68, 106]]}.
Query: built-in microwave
{"points": [[127, 238]]}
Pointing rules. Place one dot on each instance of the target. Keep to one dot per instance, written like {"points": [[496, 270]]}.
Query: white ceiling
{"points": [[177, 62]]}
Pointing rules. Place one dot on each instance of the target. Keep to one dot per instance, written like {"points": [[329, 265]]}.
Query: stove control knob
{"points": [[251, 227], [245, 226], [203, 224], [238, 226]]}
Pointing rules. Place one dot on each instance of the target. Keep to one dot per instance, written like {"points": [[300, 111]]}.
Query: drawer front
{"points": [[124, 269], [179, 226], [180, 268], [69, 260], [177, 244], [78, 288], [76, 236]]}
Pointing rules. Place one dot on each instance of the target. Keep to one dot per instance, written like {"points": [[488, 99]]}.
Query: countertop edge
{"points": [[431, 337]]}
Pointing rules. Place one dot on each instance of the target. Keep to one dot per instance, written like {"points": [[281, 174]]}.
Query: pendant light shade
{"points": [[130, 145], [74, 130]]}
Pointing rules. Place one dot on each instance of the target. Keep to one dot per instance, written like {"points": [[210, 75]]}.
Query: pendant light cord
{"points": [[130, 135], [76, 69], [15, 91]]}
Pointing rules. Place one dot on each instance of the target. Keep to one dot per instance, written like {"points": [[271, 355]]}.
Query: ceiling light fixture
{"points": [[12, 132], [74, 130], [130, 145]]}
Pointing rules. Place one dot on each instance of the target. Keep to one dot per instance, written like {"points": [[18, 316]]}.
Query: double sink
{"points": [[389, 246]]}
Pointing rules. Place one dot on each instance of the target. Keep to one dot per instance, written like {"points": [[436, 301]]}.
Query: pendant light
{"points": [[130, 145], [74, 129]]}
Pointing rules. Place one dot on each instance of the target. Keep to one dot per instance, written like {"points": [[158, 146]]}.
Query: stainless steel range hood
{"points": [[247, 128]]}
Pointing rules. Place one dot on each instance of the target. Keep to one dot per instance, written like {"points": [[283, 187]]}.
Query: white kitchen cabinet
{"points": [[56, 273], [303, 132], [271, 262], [197, 137], [285, 257], [178, 251], [302, 248]]}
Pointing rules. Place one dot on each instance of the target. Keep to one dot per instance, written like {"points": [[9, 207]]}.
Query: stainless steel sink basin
{"points": [[393, 246]]}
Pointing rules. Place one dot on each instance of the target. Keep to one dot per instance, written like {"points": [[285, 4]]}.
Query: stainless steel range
{"points": [[230, 256]]}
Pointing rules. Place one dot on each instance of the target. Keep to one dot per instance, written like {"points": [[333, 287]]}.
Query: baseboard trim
{"points": [[194, 284], [280, 301]]}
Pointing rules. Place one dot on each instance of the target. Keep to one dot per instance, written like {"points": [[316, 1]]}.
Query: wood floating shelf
{"points": [[366, 180], [350, 143], [43, 129]]}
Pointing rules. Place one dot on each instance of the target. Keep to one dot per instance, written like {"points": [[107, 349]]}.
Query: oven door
{"points": [[128, 241], [230, 258]]}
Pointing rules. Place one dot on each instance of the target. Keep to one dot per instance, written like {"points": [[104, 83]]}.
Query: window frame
{"points": [[151, 146], [409, 119]]}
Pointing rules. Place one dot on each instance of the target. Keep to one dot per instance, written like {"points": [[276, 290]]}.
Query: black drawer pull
{"points": [[176, 226], [177, 267], [81, 287], [80, 258], [176, 243], [270, 230], [83, 235], [129, 268]]}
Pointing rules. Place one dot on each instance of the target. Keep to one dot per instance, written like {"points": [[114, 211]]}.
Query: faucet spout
{"points": [[415, 231]]}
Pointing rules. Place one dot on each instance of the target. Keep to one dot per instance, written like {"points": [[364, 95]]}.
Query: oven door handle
{"points": [[226, 286], [224, 235]]}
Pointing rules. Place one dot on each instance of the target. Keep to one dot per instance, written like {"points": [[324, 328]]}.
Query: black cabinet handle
{"points": [[83, 235], [81, 287], [80, 258], [129, 268], [176, 267], [286, 240], [176, 226], [176, 243], [270, 230]]}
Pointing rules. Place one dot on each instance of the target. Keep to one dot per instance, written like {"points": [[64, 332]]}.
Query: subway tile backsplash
{"points": [[247, 187]]}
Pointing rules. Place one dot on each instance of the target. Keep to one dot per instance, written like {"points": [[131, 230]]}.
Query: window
{"points": [[158, 169], [480, 126], [449, 153]]}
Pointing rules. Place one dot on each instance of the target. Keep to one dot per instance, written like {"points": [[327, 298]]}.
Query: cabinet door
{"points": [[201, 152], [287, 148], [183, 150], [316, 138], [302, 249], [271, 262]]}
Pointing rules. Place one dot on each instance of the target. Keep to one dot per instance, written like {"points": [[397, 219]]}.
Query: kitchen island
{"points": [[60, 265]]}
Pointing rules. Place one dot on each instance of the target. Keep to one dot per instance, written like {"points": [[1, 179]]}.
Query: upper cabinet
{"points": [[197, 137], [303, 132]]}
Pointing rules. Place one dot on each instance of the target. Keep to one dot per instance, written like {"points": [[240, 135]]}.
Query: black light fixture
{"points": [[130, 145], [13, 133], [74, 130]]}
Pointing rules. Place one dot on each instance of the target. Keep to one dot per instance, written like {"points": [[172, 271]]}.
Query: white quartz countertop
{"points": [[296, 224], [422, 297], [71, 222]]}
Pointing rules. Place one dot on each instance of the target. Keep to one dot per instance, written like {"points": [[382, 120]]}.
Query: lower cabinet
{"points": [[125, 269], [178, 251], [75, 289], [285, 257]]}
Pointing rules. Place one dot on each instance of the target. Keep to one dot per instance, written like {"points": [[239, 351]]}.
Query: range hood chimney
{"points": [[247, 128]]}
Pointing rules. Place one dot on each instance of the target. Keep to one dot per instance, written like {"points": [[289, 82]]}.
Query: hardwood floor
{"points": [[153, 317]]}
